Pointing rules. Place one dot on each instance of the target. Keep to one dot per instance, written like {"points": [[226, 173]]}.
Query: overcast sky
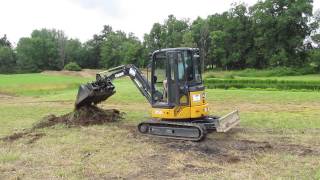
{"points": [[83, 18]]}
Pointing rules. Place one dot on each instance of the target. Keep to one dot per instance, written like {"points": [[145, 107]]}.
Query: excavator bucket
{"points": [[94, 93], [228, 121]]}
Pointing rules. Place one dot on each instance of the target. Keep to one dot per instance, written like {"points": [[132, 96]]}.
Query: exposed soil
{"points": [[234, 150], [88, 73], [229, 149], [222, 150], [217, 148], [84, 116]]}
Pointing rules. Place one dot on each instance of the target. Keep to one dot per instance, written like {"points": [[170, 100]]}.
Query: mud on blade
{"points": [[93, 93]]}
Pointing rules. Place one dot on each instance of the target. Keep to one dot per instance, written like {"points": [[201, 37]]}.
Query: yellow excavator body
{"points": [[175, 91], [198, 108]]}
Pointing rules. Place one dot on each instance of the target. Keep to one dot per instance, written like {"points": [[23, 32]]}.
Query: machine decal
{"points": [[132, 72], [196, 97], [119, 75], [158, 111]]}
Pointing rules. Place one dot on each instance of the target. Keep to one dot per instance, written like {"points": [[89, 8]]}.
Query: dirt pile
{"points": [[84, 116], [87, 73]]}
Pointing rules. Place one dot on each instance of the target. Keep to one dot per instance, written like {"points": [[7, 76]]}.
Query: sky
{"points": [[83, 18]]}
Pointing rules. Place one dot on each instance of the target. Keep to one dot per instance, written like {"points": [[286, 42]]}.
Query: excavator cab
{"points": [[177, 84], [175, 92], [173, 72]]}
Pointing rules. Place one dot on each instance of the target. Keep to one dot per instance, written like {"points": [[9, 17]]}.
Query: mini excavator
{"points": [[174, 90]]}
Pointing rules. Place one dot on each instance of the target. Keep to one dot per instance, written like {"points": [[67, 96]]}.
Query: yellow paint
{"points": [[198, 108], [197, 102]]}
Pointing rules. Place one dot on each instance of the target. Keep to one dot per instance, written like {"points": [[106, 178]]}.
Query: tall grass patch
{"points": [[215, 83], [274, 72]]}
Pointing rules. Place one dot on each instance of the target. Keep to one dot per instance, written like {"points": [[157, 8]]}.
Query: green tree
{"points": [[201, 36], [314, 58], [111, 50], [7, 56], [170, 34], [39, 52], [119, 49], [25, 53], [218, 49], [187, 40], [7, 60], [230, 38], [74, 51], [156, 38], [280, 28], [5, 42], [94, 46], [316, 39], [174, 31]]}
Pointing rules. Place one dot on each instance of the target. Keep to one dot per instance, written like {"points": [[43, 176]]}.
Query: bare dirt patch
{"points": [[222, 149], [5, 96], [84, 116], [227, 148], [32, 136], [88, 73]]}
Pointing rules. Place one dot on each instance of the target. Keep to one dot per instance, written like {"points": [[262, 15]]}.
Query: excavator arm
{"points": [[102, 88], [135, 75]]}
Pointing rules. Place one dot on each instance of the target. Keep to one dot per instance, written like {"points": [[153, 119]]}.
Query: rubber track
{"points": [[157, 123]]}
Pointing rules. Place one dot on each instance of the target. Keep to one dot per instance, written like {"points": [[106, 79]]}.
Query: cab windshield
{"points": [[192, 67]]}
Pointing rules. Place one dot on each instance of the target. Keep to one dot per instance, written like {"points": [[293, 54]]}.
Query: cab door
{"points": [[173, 90], [169, 80], [178, 93]]}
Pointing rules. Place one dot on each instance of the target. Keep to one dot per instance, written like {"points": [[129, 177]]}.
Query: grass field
{"points": [[278, 137], [275, 73], [263, 79]]}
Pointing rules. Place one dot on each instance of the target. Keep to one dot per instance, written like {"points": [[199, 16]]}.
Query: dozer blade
{"points": [[93, 93], [228, 121]]}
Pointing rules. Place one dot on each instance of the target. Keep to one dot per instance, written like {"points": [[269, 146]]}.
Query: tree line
{"points": [[271, 33]]}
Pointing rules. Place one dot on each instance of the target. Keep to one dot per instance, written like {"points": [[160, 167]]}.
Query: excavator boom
{"points": [[101, 89]]}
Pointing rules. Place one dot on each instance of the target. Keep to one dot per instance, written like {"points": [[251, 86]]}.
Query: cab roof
{"points": [[175, 49]]}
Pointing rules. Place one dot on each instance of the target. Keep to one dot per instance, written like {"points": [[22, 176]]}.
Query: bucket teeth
{"points": [[93, 93]]}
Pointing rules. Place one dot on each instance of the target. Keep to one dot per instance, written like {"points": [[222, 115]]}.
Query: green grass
{"points": [[110, 151], [17, 117], [7, 157], [38, 84], [274, 72], [308, 78], [128, 96], [317, 176], [281, 120], [270, 84], [272, 79], [261, 96]]}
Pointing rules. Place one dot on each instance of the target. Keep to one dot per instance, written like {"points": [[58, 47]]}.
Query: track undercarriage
{"points": [[193, 130]]}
